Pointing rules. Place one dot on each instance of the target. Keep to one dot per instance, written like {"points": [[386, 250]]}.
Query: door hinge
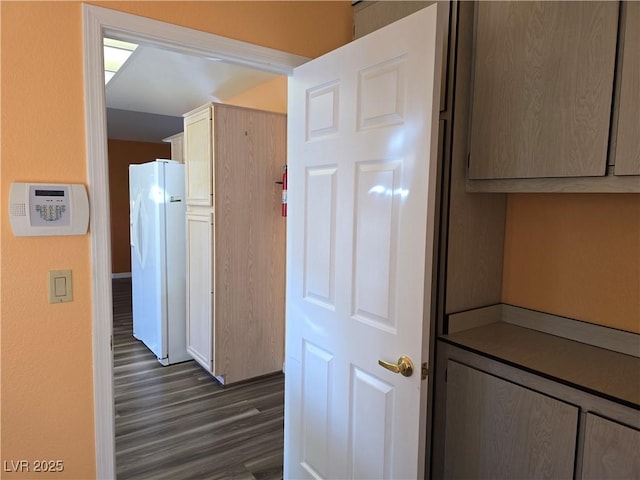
{"points": [[424, 370], [111, 343]]}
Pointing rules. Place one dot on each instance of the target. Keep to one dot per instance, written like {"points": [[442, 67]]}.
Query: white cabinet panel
{"points": [[200, 288], [198, 151]]}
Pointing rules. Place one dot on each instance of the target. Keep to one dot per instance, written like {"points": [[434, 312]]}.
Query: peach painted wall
{"points": [[45, 350], [270, 96], [46, 376], [307, 28], [575, 255], [122, 154]]}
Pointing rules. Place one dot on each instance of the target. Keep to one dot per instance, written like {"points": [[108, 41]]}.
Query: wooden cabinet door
{"points": [[199, 288], [611, 450], [198, 157], [496, 429], [627, 160], [543, 82]]}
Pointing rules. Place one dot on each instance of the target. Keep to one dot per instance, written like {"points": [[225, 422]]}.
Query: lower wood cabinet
{"points": [[496, 420], [497, 429], [611, 450]]}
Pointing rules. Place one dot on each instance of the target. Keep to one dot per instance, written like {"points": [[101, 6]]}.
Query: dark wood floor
{"points": [[177, 422]]}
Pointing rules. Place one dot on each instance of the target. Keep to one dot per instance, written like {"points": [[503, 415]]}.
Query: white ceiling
{"points": [[159, 84]]}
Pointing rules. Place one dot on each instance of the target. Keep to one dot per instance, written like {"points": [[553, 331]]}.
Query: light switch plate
{"points": [[60, 287]]}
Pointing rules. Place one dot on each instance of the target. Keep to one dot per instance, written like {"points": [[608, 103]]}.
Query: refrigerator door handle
{"points": [[132, 223], [136, 227]]}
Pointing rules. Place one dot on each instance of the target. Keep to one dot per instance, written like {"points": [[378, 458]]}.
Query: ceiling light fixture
{"points": [[116, 53]]}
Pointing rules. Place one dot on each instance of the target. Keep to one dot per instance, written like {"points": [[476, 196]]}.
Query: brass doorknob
{"points": [[403, 367]]}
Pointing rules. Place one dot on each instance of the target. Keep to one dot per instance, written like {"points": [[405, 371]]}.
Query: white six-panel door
{"points": [[362, 153]]}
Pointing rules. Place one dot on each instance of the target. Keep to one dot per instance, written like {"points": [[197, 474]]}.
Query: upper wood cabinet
{"points": [[543, 85], [627, 160], [177, 146], [198, 149]]}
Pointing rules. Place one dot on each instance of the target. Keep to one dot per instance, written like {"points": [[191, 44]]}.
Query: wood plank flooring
{"points": [[177, 422]]}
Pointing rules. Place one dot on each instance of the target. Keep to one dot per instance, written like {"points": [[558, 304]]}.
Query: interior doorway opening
{"points": [[99, 22]]}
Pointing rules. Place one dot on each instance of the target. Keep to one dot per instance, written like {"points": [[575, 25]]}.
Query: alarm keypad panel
{"points": [[45, 209], [50, 205]]}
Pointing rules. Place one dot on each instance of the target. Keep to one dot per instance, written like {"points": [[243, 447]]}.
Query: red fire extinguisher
{"points": [[284, 191]]}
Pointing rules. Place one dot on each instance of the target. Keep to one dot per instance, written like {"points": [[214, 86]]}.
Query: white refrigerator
{"points": [[158, 256]]}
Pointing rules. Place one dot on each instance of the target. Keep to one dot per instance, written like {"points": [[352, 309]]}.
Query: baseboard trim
{"points": [[121, 275]]}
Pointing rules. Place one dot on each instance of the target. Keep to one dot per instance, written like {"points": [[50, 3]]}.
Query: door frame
{"points": [[97, 22]]}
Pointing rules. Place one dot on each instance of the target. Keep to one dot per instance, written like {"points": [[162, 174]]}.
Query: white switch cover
{"points": [[60, 289]]}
